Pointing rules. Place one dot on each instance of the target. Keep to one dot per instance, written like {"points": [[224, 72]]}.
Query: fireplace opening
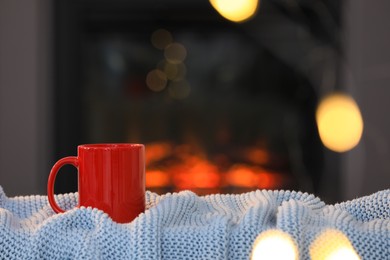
{"points": [[217, 111]]}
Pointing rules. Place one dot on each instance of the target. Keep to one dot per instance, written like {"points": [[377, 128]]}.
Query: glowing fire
{"points": [[183, 167]]}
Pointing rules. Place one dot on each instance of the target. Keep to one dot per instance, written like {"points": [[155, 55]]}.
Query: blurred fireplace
{"points": [[233, 118], [180, 167]]}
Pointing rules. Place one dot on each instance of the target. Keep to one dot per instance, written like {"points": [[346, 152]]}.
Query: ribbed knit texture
{"points": [[186, 226]]}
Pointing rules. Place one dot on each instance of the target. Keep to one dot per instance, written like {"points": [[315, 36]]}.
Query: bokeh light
{"points": [[156, 80], [161, 38], [274, 244], [175, 53], [157, 178], [236, 10], [332, 245], [173, 71], [339, 122]]}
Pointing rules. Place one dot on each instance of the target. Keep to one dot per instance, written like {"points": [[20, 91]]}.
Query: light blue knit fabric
{"points": [[187, 226]]}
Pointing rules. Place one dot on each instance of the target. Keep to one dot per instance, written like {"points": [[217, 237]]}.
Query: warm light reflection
{"points": [[161, 38], [156, 80], [274, 244], [236, 10], [175, 53], [332, 245], [339, 122]]}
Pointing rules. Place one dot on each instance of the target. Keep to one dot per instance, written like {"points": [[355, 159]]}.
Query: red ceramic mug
{"points": [[111, 177]]}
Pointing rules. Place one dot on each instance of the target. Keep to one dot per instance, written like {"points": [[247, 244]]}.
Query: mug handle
{"points": [[73, 160]]}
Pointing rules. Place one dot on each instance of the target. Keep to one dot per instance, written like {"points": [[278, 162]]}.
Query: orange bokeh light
{"points": [[157, 178], [157, 151], [196, 172]]}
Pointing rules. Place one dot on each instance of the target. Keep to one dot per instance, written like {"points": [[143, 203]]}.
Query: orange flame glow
{"points": [[184, 167]]}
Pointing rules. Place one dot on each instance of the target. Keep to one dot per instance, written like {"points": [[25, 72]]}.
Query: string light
{"points": [[236, 10], [274, 244], [339, 122]]}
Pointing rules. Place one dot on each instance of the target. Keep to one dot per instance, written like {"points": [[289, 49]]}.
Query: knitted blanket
{"points": [[186, 226]]}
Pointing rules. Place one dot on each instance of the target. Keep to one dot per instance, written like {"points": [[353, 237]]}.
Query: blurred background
{"points": [[228, 96]]}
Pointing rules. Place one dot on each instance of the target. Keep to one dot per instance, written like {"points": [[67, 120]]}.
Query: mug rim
{"points": [[110, 146]]}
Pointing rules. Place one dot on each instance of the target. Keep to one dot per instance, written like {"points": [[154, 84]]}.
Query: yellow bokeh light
{"points": [[173, 71], [175, 53], [332, 245], [274, 244], [343, 253], [161, 38], [236, 10], [156, 80], [340, 123]]}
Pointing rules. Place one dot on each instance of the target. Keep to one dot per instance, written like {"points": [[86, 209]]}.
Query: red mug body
{"points": [[111, 177]]}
